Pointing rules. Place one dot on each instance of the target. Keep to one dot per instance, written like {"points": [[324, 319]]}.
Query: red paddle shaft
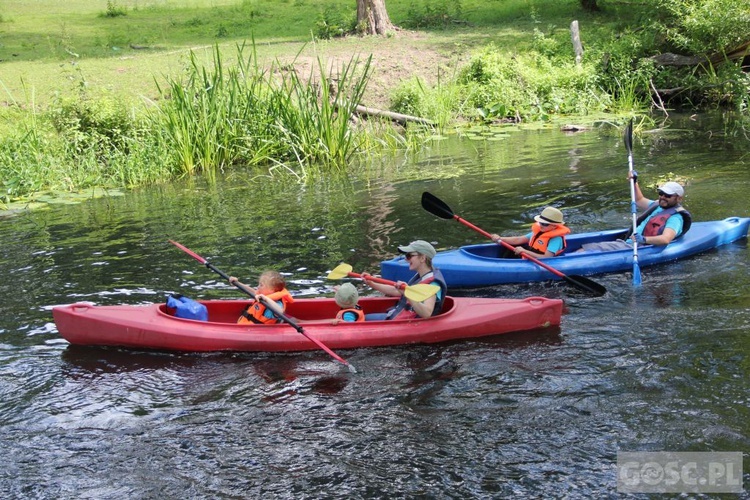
{"points": [[509, 247], [376, 280], [281, 316]]}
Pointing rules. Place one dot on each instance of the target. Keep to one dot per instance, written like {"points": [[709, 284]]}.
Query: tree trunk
{"points": [[589, 5], [371, 14]]}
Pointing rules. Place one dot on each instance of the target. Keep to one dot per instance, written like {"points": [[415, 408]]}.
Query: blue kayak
{"points": [[480, 265]]}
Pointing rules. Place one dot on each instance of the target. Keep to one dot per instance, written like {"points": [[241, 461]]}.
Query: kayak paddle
{"points": [[270, 304], [628, 138], [417, 293], [438, 207]]}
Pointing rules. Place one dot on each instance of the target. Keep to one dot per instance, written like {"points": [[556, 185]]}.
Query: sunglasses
{"points": [[544, 224], [662, 193], [408, 256]]}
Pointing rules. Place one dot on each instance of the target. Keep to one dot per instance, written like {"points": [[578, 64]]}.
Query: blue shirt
{"points": [[349, 316]]}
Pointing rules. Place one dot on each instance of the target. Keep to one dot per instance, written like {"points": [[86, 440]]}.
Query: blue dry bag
{"points": [[187, 308]]}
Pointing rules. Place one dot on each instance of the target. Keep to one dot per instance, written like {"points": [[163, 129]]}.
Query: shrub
{"points": [[103, 125], [114, 10], [333, 23], [704, 27], [532, 85], [432, 14]]}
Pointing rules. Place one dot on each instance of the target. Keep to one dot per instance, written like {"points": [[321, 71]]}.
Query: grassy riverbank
{"points": [[50, 48], [127, 93]]}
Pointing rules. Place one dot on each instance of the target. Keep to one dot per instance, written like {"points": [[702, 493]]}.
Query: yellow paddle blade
{"points": [[420, 293], [341, 271]]}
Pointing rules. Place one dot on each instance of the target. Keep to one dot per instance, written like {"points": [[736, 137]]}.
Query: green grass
{"points": [[53, 47], [54, 31]]}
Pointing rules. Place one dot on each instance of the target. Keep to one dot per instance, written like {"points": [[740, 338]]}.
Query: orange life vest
{"points": [[540, 240], [255, 312], [355, 310]]}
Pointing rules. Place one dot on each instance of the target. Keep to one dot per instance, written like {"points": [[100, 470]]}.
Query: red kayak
{"points": [[152, 327]]}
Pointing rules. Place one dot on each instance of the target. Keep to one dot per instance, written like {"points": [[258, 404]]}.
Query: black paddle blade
{"points": [[436, 206], [628, 137], [586, 284]]}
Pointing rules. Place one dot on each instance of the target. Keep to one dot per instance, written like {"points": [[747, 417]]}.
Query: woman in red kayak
{"points": [[419, 254]]}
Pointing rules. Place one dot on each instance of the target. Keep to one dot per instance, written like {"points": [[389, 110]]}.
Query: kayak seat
{"points": [[575, 244], [489, 251]]}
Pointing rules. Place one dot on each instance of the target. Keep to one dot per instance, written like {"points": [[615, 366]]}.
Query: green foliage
{"points": [[333, 22], [623, 73], [227, 114], [39, 157], [18, 157], [222, 31], [244, 115], [704, 27], [694, 28], [408, 97], [314, 115], [530, 86], [441, 104], [114, 10], [85, 123], [431, 14], [708, 86]]}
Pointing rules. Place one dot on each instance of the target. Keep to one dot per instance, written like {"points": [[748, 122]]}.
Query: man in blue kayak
{"points": [[663, 220]]}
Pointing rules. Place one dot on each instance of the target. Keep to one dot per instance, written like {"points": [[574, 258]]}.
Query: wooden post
{"points": [[576, 37]]}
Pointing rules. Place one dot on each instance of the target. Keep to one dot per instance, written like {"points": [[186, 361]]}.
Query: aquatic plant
{"points": [[249, 115]]}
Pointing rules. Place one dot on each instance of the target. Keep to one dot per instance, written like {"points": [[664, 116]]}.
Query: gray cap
{"points": [[347, 295], [419, 246]]}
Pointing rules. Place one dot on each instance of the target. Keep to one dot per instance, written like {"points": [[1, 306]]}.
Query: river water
{"points": [[539, 414]]}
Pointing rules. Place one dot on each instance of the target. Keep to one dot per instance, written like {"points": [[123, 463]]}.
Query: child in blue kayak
{"points": [[546, 239]]}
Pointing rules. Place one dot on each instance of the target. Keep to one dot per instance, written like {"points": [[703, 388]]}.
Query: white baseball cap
{"points": [[672, 188]]}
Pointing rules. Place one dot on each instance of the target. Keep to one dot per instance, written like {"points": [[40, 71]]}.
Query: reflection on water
{"points": [[661, 367]]}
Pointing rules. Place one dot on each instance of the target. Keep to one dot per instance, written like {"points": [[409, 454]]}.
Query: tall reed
{"points": [[248, 115], [314, 116]]}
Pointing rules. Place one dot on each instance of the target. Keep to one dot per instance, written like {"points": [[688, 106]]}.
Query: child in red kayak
{"points": [[346, 298], [272, 287]]}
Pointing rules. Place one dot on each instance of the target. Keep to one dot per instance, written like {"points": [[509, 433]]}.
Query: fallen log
{"points": [[669, 59], [396, 117]]}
